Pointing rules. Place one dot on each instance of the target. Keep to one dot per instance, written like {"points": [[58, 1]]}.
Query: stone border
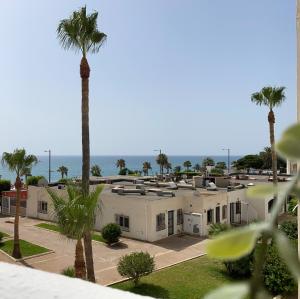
{"points": [[27, 257], [158, 269]]}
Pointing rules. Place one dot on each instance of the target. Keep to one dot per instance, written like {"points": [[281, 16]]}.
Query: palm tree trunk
{"points": [[16, 250], [79, 264], [85, 74]]}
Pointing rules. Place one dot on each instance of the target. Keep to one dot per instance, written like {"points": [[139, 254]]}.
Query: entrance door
{"points": [[231, 212], [170, 223], [217, 214]]}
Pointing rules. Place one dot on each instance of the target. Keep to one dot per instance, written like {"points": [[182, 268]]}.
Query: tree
{"points": [[121, 164], [221, 165], [217, 171], [271, 97], [146, 167], [177, 169], [266, 156], [19, 163], [197, 167], [63, 171], [80, 33], [75, 216], [168, 167], [111, 233], [249, 161], [187, 164], [135, 265], [208, 162], [162, 161], [96, 170]]}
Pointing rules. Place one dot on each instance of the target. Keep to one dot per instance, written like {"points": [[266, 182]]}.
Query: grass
{"points": [[95, 236], [192, 279], [27, 248]]}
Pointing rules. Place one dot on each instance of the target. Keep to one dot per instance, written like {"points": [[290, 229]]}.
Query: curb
{"points": [[27, 257]]}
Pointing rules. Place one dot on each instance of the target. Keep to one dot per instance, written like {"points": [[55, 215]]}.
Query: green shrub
{"points": [[136, 265], [4, 185], [33, 180], [123, 171], [277, 278], [65, 181], [69, 271], [217, 228], [1, 237], [290, 228], [241, 268], [292, 204], [217, 172], [111, 233]]}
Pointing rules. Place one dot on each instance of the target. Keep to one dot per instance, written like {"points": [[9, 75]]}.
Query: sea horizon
{"points": [[107, 164]]}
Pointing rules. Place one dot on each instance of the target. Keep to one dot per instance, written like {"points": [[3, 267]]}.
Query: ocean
{"points": [[107, 164]]}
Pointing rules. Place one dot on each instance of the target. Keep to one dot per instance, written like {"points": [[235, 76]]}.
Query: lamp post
{"points": [[228, 158], [49, 160], [160, 167]]}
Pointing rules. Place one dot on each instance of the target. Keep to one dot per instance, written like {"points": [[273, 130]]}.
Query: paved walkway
{"points": [[167, 252]]}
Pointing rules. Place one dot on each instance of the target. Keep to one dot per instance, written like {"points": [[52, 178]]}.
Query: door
{"points": [[170, 223], [217, 214], [231, 212]]}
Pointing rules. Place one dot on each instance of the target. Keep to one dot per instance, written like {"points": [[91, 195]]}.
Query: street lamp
{"points": [[160, 166], [49, 151], [228, 158]]}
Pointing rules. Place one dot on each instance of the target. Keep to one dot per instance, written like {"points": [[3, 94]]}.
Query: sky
{"points": [[173, 75]]}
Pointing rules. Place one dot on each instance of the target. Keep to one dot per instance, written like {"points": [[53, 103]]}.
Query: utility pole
{"points": [[49, 166]]}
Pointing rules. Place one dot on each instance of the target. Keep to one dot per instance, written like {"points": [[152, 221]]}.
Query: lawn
{"points": [[54, 227], [192, 279], [27, 249]]}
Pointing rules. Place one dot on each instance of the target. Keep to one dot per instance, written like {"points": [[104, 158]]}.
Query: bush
{"points": [[293, 202], [4, 185], [123, 171], [241, 268], [136, 265], [69, 271], [217, 228], [1, 237], [277, 278], [111, 233], [65, 181], [33, 180], [290, 228], [217, 172]]}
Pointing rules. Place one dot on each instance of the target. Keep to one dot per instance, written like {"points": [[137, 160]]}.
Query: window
{"points": [[160, 222], [210, 216], [270, 205], [238, 207], [42, 207], [218, 215], [123, 221], [224, 212], [179, 217]]}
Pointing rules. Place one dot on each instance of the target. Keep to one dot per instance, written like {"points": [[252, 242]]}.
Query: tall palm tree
{"points": [[121, 164], [162, 161], [168, 167], [177, 169], [146, 167], [20, 163], [96, 170], [271, 97], [208, 162], [187, 164], [63, 171], [197, 167], [80, 33], [75, 216]]}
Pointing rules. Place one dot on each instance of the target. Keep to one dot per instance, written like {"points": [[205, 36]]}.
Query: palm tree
{"points": [[63, 171], [96, 170], [80, 33], [121, 164], [162, 161], [20, 163], [208, 162], [197, 167], [177, 168], [168, 167], [187, 164], [271, 97], [75, 216], [146, 167]]}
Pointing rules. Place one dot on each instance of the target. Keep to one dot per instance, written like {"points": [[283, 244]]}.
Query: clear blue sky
{"points": [[175, 75]]}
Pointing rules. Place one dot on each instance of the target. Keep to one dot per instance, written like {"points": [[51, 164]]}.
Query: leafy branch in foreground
{"points": [[238, 243]]}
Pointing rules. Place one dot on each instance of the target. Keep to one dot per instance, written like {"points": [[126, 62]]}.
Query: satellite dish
{"points": [[42, 182]]}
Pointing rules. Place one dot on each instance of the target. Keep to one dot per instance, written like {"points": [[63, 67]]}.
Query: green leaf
{"points": [[236, 243], [289, 145], [231, 291], [288, 253], [261, 191]]}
